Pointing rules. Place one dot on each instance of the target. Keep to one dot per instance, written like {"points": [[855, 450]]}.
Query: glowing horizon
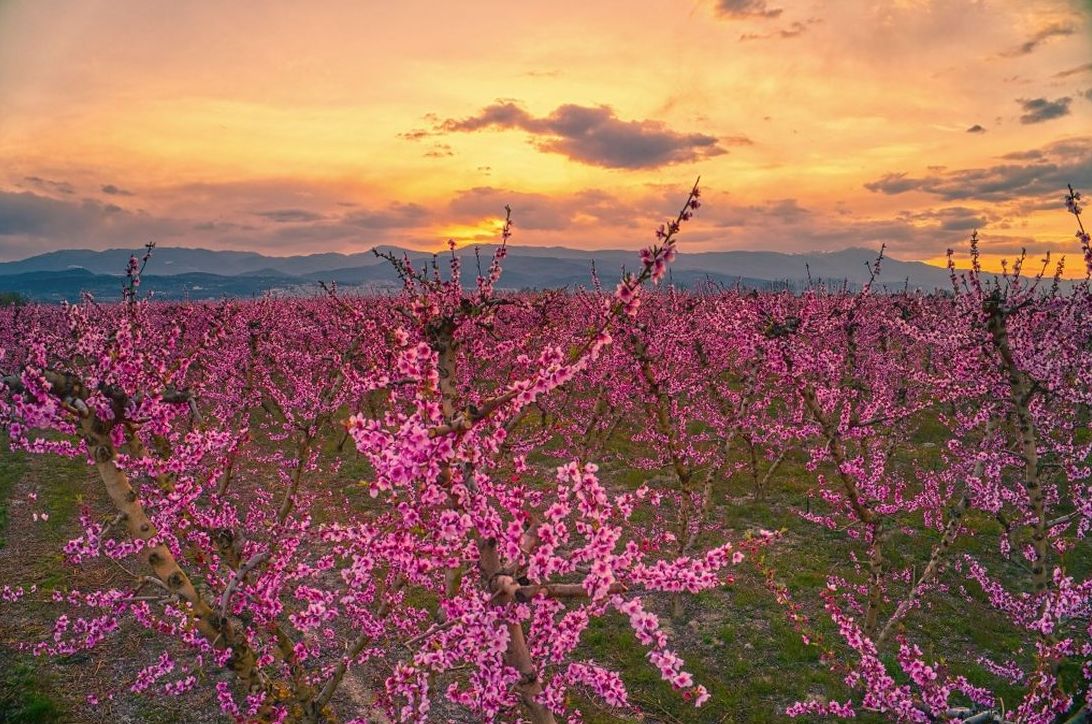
{"points": [[814, 125]]}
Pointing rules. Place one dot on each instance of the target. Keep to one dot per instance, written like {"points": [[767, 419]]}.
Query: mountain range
{"points": [[185, 273]]}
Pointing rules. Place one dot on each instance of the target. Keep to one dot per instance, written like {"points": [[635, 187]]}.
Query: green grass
{"points": [[60, 485], [24, 688], [743, 649], [25, 695], [13, 466], [60, 491]]}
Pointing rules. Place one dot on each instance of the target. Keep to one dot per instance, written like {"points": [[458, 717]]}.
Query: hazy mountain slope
{"points": [[176, 272]]}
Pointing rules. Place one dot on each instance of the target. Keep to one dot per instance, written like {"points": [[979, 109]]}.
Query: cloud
{"points": [[1046, 172], [25, 213], [439, 150], [61, 187], [415, 134], [894, 183], [115, 191], [1088, 94], [222, 226], [746, 9], [586, 209], [783, 209], [976, 129], [312, 225], [951, 218], [31, 223], [269, 215], [286, 216], [917, 234], [1074, 71], [1028, 46], [1029, 155], [795, 30], [595, 136], [1037, 110], [395, 216]]}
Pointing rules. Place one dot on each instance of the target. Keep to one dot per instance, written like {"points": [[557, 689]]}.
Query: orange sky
{"points": [[289, 127]]}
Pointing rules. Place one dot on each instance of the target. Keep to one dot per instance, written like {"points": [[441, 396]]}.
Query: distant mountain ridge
{"points": [[182, 272]]}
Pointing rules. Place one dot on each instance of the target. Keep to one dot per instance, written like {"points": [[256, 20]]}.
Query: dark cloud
{"points": [[394, 216], [1029, 45], [1029, 155], [976, 129], [31, 223], [222, 226], [293, 215], [893, 183], [1037, 110], [25, 213], [115, 191], [286, 216], [951, 218], [60, 187], [746, 9], [505, 115], [783, 209], [595, 136], [1046, 172], [918, 234], [1088, 94], [1074, 71]]}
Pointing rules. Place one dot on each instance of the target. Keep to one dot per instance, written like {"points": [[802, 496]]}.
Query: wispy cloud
{"points": [[395, 216], [535, 211], [439, 150], [795, 30], [1086, 68], [48, 185], [288, 216], [1054, 30]]}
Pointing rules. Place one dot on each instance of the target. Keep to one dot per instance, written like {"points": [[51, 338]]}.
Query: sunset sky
{"points": [[291, 127]]}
